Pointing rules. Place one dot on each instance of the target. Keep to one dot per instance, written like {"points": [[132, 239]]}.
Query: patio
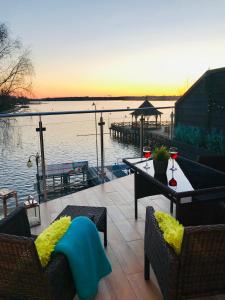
{"points": [[125, 237]]}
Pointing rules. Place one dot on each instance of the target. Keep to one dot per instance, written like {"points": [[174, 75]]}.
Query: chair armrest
{"points": [[60, 278], [163, 259], [16, 223]]}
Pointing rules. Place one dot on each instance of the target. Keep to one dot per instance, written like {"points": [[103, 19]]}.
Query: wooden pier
{"points": [[129, 132]]}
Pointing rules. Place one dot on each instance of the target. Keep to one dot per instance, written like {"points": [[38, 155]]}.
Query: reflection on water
{"points": [[67, 138], [10, 134]]}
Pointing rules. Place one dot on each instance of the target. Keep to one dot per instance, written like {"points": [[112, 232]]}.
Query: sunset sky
{"points": [[118, 47]]}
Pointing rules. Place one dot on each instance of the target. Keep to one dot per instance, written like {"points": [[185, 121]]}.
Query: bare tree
{"points": [[16, 68]]}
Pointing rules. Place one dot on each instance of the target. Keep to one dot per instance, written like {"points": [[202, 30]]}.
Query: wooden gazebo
{"points": [[146, 113]]}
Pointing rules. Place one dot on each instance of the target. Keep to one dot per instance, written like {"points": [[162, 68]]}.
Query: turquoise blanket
{"points": [[83, 248]]}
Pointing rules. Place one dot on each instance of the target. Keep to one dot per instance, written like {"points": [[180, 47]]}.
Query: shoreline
{"points": [[14, 109], [97, 100]]}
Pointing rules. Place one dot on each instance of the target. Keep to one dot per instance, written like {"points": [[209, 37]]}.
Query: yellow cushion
{"points": [[46, 241], [172, 230]]}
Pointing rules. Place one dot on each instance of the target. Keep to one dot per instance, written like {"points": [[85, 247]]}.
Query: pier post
{"points": [[101, 124], [40, 129], [141, 134]]}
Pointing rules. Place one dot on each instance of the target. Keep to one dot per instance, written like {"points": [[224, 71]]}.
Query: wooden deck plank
{"points": [[117, 282], [138, 249], [115, 213], [114, 234], [127, 231], [128, 260], [138, 225], [117, 199], [144, 290]]}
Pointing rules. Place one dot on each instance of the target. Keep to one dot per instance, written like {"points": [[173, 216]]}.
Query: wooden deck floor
{"points": [[125, 237]]}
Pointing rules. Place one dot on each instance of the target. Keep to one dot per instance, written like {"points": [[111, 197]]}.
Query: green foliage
{"points": [[216, 141], [190, 135], [161, 153], [22, 100], [7, 102], [213, 141]]}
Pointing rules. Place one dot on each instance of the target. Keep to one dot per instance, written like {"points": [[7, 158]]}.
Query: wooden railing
{"points": [[134, 124]]}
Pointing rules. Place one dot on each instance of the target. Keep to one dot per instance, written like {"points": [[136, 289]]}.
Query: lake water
{"points": [[67, 138]]}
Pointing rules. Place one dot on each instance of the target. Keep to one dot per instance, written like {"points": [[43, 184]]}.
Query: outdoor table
{"points": [[61, 173], [196, 183], [97, 214]]}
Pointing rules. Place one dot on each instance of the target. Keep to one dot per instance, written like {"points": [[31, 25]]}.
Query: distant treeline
{"points": [[130, 98]]}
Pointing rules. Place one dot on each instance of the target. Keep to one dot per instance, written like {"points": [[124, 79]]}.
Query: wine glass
{"points": [[173, 155], [173, 182], [147, 154]]}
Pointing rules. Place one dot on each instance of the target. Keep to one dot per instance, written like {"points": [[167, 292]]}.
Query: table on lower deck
{"points": [[97, 214], [6, 194], [196, 184]]}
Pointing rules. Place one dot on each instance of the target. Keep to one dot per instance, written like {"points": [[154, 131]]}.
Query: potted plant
{"points": [[160, 159]]}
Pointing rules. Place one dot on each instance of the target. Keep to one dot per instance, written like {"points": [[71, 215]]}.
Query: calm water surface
{"points": [[67, 138]]}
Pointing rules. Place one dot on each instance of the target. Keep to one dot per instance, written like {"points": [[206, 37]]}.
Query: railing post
{"points": [[141, 134], [96, 136], [101, 124], [172, 125], [40, 129]]}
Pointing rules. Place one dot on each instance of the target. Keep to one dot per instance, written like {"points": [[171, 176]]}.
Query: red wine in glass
{"points": [[173, 154], [147, 154], [172, 182]]}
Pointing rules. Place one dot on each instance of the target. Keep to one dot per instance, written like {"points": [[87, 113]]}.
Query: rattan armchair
{"points": [[214, 161], [21, 274], [198, 271]]}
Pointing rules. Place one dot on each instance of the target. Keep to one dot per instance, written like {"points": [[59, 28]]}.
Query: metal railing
{"points": [[41, 129], [75, 112]]}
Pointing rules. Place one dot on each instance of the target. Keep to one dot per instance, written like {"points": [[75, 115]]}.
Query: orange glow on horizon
{"points": [[114, 89], [55, 93], [154, 72]]}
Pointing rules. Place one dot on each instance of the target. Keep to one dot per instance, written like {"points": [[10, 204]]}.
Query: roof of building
{"points": [[152, 111], [204, 76]]}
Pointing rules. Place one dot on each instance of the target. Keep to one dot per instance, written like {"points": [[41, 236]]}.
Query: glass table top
{"points": [[188, 176]]}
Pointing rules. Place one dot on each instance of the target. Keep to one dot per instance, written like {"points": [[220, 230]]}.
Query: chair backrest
{"points": [[16, 223], [203, 212], [21, 275], [213, 161], [202, 260]]}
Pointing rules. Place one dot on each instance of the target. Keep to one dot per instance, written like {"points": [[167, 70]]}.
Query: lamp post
{"points": [[30, 164], [37, 160], [96, 136]]}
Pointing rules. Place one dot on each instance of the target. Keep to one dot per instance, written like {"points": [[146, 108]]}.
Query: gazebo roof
{"points": [[146, 112]]}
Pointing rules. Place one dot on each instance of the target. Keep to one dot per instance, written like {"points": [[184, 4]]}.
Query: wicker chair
{"points": [[21, 274], [214, 161], [198, 271]]}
